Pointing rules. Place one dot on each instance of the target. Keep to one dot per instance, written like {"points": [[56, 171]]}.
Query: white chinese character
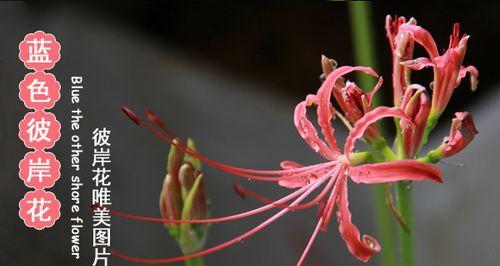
{"points": [[38, 130], [38, 209], [101, 177], [38, 88], [38, 169], [38, 52], [101, 137], [101, 196], [101, 157], [101, 256], [101, 217], [101, 237]]}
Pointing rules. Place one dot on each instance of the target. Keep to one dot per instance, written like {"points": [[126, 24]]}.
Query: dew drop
{"points": [[315, 147], [339, 217], [312, 178]]}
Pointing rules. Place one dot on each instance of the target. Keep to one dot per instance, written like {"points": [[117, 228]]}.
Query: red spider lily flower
{"points": [[416, 105], [402, 50], [353, 101], [462, 132], [448, 69], [332, 175]]}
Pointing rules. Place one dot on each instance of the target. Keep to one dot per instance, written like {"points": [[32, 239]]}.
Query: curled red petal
{"points": [[325, 108], [401, 170], [447, 69], [418, 63], [462, 132], [473, 73], [286, 165], [402, 49], [297, 181], [421, 36], [362, 248], [309, 133], [301, 180], [369, 118], [371, 94], [392, 28]]}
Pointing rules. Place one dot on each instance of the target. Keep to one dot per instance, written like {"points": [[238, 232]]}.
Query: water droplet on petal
{"points": [[339, 217], [314, 146]]}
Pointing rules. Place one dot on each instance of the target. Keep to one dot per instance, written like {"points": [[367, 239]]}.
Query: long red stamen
{"points": [[220, 246], [131, 115], [332, 200], [242, 172], [225, 218], [311, 241], [159, 122], [246, 192], [328, 210]]}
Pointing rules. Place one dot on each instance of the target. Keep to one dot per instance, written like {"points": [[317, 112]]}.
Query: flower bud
{"points": [[170, 196], [328, 66], [462, 133], [183, 198], [416, 105], [402, 49], [355, 103]]}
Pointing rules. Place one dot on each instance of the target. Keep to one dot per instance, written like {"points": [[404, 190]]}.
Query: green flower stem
{"points": [[431, 124], [431, 157], [357, 158], [404, 203], [195, 262], [388, 153], [385, 227], [360, 20]]}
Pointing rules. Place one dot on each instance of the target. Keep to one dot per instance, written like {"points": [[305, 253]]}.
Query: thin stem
{"points": [[392, 206], [404, 202], [360, 18], [431, 157], [195, 262], [405, 208]]}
